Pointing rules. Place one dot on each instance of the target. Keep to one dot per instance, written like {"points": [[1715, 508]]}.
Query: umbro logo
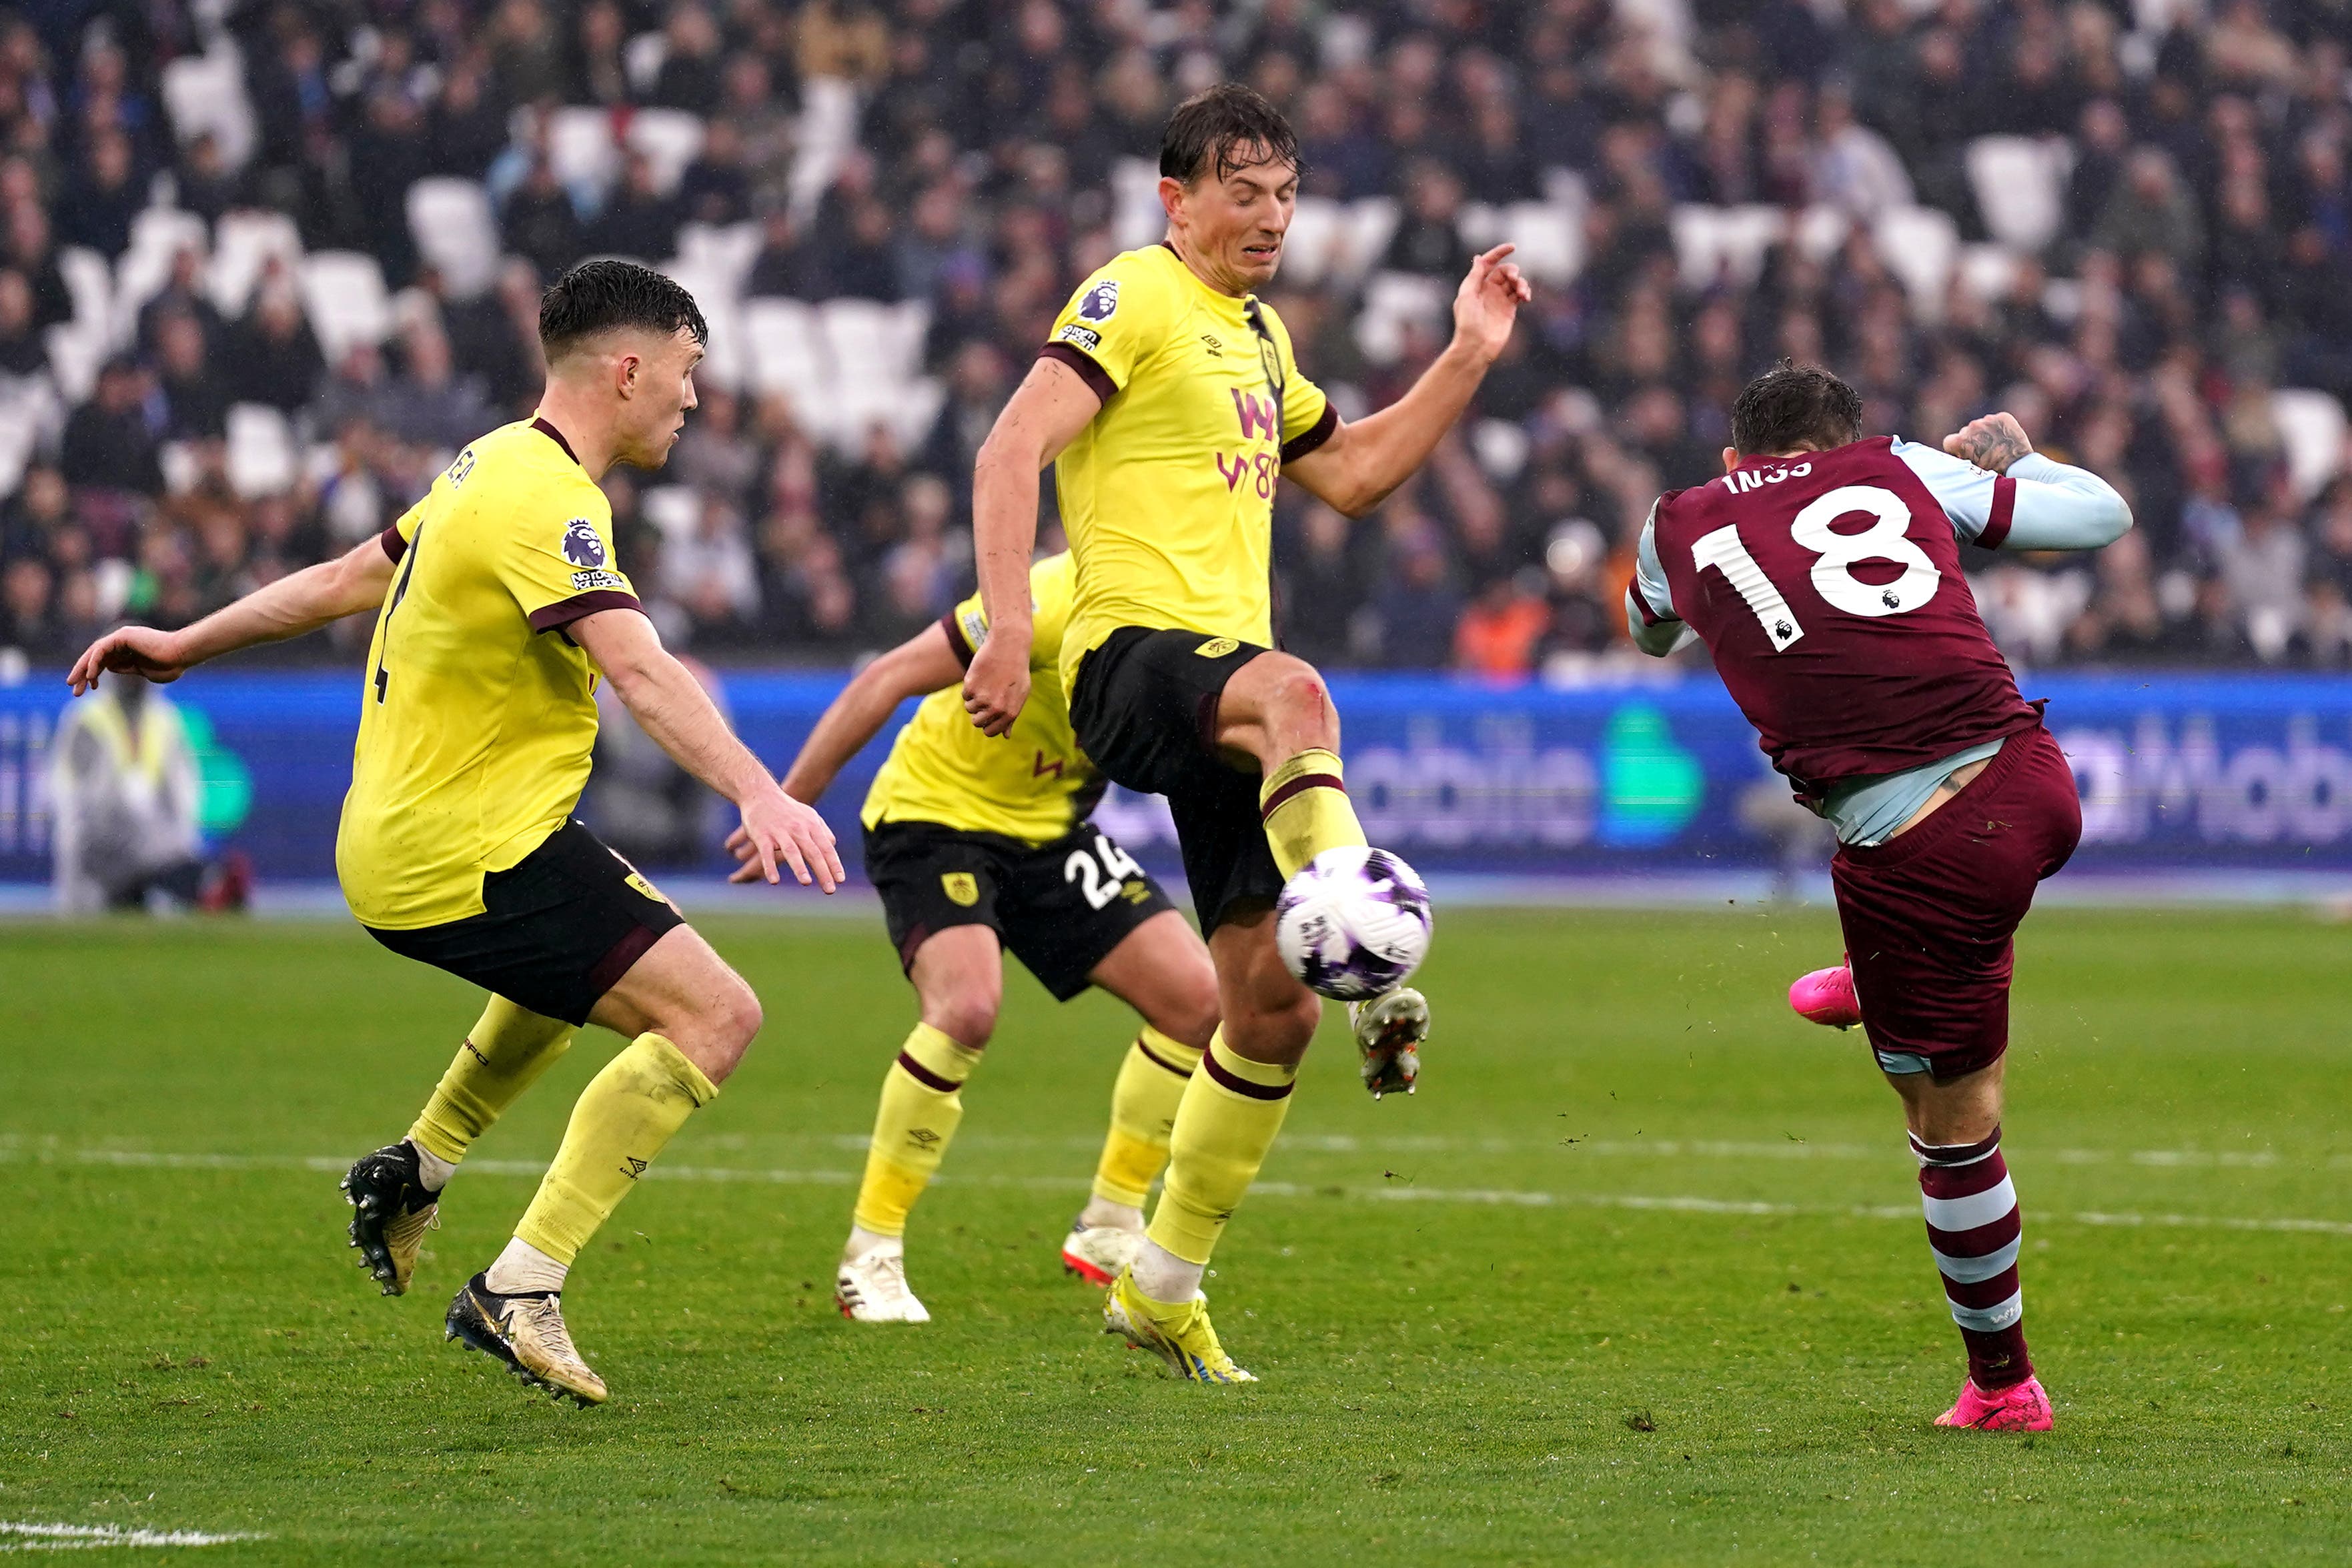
{"points": [[1216, 349], [923, 1136], [632, 1167]]}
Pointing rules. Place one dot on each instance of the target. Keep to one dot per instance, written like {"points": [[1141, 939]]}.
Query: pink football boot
{"points": [[1826, 997], [2020, 1408]]}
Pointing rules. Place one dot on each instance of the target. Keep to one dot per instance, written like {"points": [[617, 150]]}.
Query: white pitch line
{"points": [[1503, 1197], [90, 1537]]}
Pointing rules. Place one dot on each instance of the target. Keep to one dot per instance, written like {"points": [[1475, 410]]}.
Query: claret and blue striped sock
{"points": [[1974, 1230]]}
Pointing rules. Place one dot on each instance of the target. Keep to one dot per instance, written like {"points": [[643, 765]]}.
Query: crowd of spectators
{"points": [[2194, 265]]}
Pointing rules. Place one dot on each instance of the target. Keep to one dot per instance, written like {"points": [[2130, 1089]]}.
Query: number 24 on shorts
{"points": [[1098, 890], [1836, 557]]}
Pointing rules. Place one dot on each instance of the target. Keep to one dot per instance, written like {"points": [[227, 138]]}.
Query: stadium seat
{"points": [[75, 353], [2021, 187], [1394, 302], [1712, 243], [157, 235], [344, 295], [1371, 224], [1919, 246], [1821, 229], [672, 508], [580, 147], [1551, 239], [245, 242], [784, 355], [92, 283], [668, 139], [1501, 445], [206, 93], [455, 232], [1988, 270], [726, 360], [29, 414], [1137, 218], [1316, 225], [723, 251], [261, 451], [2312, 426], [828, 134], [641, 62]]}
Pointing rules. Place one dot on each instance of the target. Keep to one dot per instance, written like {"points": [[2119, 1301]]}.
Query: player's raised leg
{"points": [[958, 979], [1277, 711], [395, 1192], [1232, 1109], [689, 1018], [1162, 971], [1974, 1231]]}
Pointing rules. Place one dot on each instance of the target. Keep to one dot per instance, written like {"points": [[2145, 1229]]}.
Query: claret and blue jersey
{"points": [[1827, 585]]}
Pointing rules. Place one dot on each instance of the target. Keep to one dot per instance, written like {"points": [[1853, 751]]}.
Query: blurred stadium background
{"points": [[264, 266]]}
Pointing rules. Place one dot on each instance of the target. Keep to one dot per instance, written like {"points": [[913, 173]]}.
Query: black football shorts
{"points": [[1061, 907], [1145, 709], [557, 931]]}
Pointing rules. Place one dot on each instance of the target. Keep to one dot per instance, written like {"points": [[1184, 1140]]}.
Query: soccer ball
{"points": [[1353, 923]]}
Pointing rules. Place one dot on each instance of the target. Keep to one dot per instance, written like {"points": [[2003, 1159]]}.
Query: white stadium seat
{"points": [[828, 134], [1549, 237], [726, 356], [1990, 271], [1820, 230], [726, 250], [157, 235], [1919, 246], [75, 354], [1317, 224], [2312, 426], [1714, 243], [580, 147], [2021, 187], [1137, 218], [91, 281], [261, 451], [245, 242], [206, 93], [1371, 224], [784, 353], [344, 295], [641, 62], [672, 508], [455, 232], [668, 139], [1393, 302]]}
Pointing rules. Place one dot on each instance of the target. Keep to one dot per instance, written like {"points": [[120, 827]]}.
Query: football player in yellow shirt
{"points": [[977, 845], [498, 607], [1169, 404]]}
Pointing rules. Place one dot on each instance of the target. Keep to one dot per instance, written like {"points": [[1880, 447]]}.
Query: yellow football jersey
{"points": [[1032, 783], [479, 714], [1167, 493]]}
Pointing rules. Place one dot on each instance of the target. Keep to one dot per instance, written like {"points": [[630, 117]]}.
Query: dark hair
{"points": [[604, 294], [1793, 405], [1213, 130]]}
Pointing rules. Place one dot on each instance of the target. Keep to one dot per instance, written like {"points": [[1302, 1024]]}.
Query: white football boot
{"points": [[871, 1287], [1390, 1029], [1095, 1253]]}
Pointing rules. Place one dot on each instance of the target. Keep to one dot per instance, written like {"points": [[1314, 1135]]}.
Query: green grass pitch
{"points": [[1638, 1277]]}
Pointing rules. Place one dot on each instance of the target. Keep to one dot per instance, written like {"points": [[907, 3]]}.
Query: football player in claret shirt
{"points": [[1169, 402], [499, 606], [1822, 571], [977, 845]]}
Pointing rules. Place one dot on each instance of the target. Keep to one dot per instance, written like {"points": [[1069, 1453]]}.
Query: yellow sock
{"points": [[1305, 807], [627, 1113], [1142, 1113], [504, 1054], [922, 1100], [1233, 1108]]}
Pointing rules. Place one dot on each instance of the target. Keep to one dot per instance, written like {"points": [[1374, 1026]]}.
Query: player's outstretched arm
{"points": [[923, 664], [671, 705], [1356, 469], [2055, 506], [1047, 411], [297, 602]]}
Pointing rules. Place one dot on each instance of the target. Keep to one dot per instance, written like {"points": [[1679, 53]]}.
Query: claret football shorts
{"points": [[557, 930], [1930, 917], [1061, 907], [1145, 709]]}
